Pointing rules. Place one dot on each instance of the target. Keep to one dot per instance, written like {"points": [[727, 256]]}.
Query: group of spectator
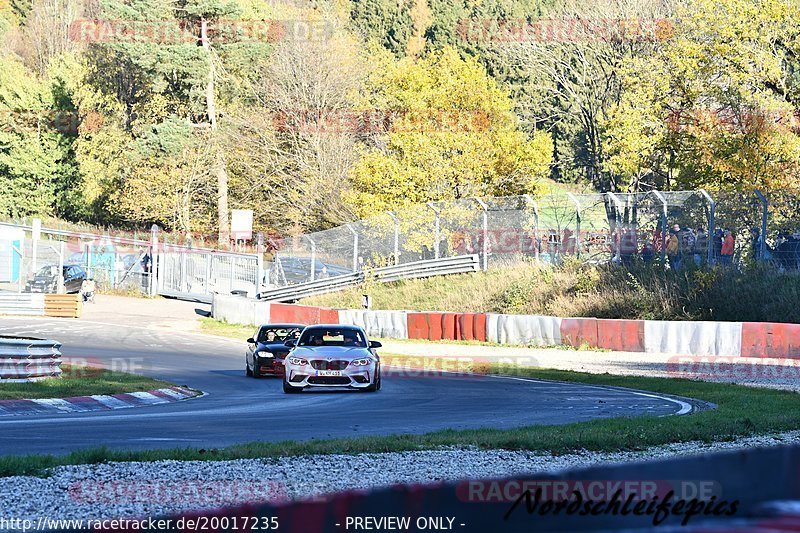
{"points": [[690, 244]]}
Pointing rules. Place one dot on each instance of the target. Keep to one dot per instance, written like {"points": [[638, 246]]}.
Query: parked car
{"points": [[266, 350], [46, 279], [332, 356]]}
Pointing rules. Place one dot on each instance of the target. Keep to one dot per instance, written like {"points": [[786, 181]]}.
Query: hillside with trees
{"points": [[313, 113]]}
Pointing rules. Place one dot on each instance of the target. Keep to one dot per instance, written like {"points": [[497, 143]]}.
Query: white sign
{"points": [[241, 224]]}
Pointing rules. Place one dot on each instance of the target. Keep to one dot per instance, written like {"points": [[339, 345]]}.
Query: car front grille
{"points": [[329, 380], [329, 365]]}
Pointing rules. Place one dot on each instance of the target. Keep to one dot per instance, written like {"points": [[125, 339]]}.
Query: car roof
{"points": [[287, 325], [336, 326]]}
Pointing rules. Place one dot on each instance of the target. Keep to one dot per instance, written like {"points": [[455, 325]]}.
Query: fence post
{"points": [[577, 223], [664, 215], [60, 289], [436, 229], [762, 248], [617, 224], [355, 247], [530, 201], [485, 209], [396, 238], [712, 214], [36, 232], [153, 263], [313, 256]]}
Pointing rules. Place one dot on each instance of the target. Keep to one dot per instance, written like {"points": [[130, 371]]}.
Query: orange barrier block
{"points": [[620, 335], [449, 327], [302, 314], [465, 326], [328, 316], [579, 331], [479, 327], [770, 340], [417, 324]]}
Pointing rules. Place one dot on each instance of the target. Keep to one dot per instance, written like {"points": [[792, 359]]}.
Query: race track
{"points": [[238, 409]]}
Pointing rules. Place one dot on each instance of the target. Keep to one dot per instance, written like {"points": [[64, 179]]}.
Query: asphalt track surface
{"points": [[238, 409]]}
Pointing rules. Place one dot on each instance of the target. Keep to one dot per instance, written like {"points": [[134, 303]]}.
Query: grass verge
{"points": [[80, 381], [741, 411]]}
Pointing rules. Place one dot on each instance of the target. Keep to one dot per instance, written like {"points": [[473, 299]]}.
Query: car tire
{"points": [[247, 371], [288, 389]]}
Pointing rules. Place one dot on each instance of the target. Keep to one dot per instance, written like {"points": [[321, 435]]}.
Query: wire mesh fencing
{"points": [[668, 228]]}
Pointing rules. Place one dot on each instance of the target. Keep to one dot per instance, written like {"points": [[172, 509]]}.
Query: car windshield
{"points": [[49, 271], [332, 337], [277, 335]]}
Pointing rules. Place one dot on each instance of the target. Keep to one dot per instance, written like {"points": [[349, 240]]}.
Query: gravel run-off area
{"points": [[136, 490]]}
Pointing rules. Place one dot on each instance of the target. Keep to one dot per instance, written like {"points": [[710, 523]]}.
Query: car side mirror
{"points": [[375, 344], [251, 340], [291, 343]]}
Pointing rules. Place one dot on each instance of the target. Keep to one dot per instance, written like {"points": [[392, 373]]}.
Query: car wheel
{"points": [[288, 389], [247, 370]]}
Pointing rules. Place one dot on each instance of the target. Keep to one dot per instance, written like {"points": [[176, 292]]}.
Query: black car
{"points": [[266, 351], [46, 279]]}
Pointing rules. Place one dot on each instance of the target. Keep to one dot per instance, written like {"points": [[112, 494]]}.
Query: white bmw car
{"points": [[332, 357]]}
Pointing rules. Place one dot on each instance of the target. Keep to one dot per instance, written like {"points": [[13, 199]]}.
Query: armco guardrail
{"points": [[12, 303], [419, 269], [23, 359]]}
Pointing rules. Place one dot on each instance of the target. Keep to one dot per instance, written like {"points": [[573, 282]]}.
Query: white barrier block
{"points": [[693, 338], [531, 330], [239, 310], [384, 324]]}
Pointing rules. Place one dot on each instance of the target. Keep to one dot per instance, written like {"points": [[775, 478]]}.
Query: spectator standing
{"points": [[700, 246], [728, 245], [674, 250], [718, 238], [688, 241]]}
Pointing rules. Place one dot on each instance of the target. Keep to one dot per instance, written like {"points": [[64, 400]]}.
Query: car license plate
{"points": [[329, 372]]}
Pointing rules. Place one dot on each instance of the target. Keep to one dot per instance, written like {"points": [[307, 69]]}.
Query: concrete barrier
{"points": [[425, 326], [579, 332], [384, 324], [620, 335], [770, 340], [302, 314], [693, 338], [239, 310], [530, 330]]}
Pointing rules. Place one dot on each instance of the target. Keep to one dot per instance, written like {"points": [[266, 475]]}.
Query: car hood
{"points": [[270, 347], [336, 352], [43, 279]]}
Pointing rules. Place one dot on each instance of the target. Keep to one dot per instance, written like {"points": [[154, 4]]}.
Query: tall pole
{"points": [[577, 223], [437, 229], [762, 249], [485, 210], [396, 238], [153, 248], [664, 215], [618, 237], [355, 247], [712, 213], [313, 256], [531, 202]]}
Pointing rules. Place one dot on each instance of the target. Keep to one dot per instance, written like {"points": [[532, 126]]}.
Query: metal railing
{"points": [[418, 269], [29, 359]]}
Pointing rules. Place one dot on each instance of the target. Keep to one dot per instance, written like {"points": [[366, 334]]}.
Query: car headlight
{"points": [[362, 362], [298, 361], [264, 354]]}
